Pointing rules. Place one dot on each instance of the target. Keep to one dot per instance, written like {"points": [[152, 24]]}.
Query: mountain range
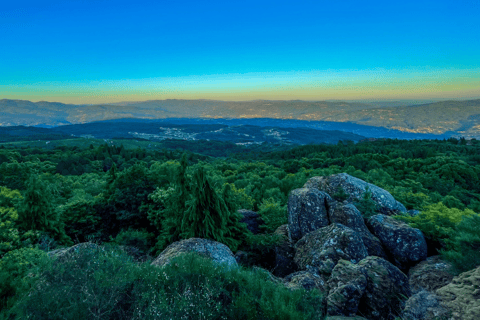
{"points": [[457, 118]]}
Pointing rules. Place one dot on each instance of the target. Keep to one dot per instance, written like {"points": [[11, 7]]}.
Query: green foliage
{"points": [[37, 213], [18, 271], [273, 214], [104, 283], [9, 234], [80, 219], [366, 205], [340, 195], [437, 221], [140, 239], [464, 246], [209, 216]]}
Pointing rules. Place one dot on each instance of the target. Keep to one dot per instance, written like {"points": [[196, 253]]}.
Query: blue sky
{"points": [[106, 51]]}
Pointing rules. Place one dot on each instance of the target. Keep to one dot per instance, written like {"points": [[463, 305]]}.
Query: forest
{"points": [[135, 201]]}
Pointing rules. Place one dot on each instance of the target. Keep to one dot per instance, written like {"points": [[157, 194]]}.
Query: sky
{"points": [[82, 51]]}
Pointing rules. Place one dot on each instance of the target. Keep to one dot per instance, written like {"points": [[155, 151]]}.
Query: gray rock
{"points": [[324, 247], [386, 291], [461, 297], [430, 274], [216, 251], [355, 188], [65, 253], [405, 245], [306, 280], [252, 220], [307, 211], [424, 305], [347, 285], [284, 254], [348, 215]]}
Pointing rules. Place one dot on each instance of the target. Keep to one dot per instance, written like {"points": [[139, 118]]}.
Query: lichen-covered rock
{"points": [[345, 318], [307, 211], [324, 247], [346, 286], [64, 253], [430, 274], [284, 254], [355, 188], [462, 296], [348, 215], [306, 280], [252, 220], [424, 305], [386, 291], [405, 245], [216, 251]]}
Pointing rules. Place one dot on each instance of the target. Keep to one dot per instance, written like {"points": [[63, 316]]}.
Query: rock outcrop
{"points": [[430, 274], [386, 291], [405, 245], [284, 253], [323, 248], [213, 250], [306, 280], [346, 285], [349, 216], [355, 188], [424, 305], [307, 211], [65, 253], [462, 296], [252, 220]]}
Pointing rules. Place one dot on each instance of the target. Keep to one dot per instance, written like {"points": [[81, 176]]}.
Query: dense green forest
{"points": [[147, 198]]}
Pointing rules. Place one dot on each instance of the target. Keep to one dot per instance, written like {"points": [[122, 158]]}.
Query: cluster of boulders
{"points": [[375, 268]]}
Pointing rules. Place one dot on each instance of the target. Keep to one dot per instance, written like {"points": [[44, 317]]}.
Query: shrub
{"points": [[366, 205], [464, 247], [340, 195], [103, 283], [273, 214], [142, 240], [18, 271]]}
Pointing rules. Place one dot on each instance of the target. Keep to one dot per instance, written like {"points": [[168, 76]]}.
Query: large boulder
{"points": [[306, 280], [284, 253], [424, 305], [324, 247], [346, 285], [386, 291], [307, 211], [252, 220], [405, 245], [355, 189], [348, 215], [430, 274], [216, 251], [462, 296]]}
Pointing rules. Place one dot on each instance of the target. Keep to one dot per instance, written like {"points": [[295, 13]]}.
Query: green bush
{"points": [[142, 240], [273, 214], [103, 283], [18, 271], [366, 205], [464, 247], [437, 221], [341, 195]]}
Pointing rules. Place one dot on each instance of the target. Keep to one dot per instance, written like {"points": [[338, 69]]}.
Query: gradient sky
{"points": [[106, 51]]}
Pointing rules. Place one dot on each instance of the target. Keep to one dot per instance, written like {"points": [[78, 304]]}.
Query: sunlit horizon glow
{"points": [[88, 52]]}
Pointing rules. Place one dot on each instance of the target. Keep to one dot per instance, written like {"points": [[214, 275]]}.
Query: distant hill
{"points": [[159, 131], [445, 117]]}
